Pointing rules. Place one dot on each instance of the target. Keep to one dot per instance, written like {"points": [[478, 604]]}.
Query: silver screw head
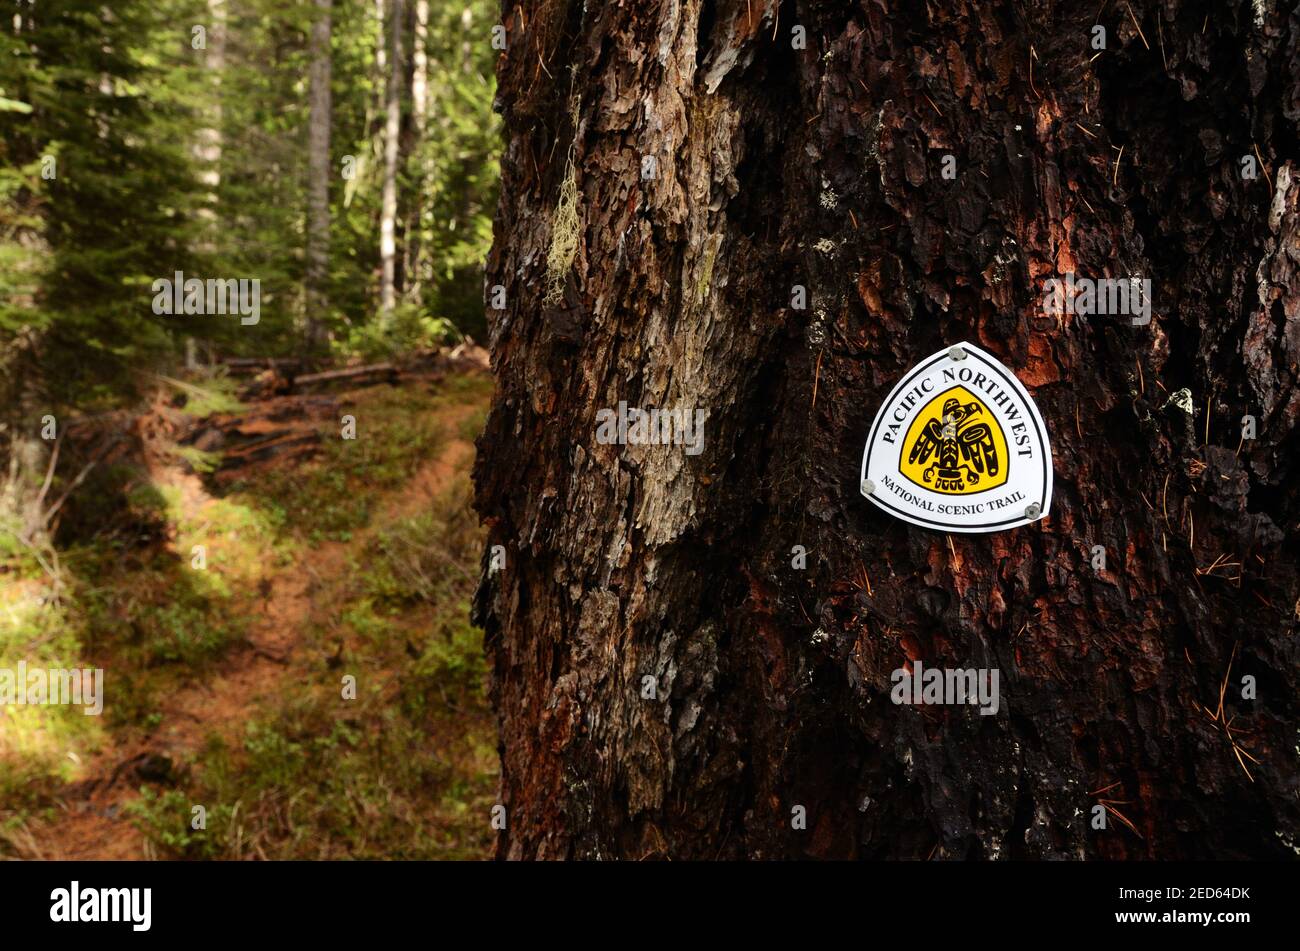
{"points": [[956, 353], [868, 487], [1033, 510]]}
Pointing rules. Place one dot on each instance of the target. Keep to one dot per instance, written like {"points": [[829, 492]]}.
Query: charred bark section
{"points": [[821, 167]]}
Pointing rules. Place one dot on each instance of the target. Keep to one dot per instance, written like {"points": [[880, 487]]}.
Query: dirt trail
{"points": [[270, 662]]}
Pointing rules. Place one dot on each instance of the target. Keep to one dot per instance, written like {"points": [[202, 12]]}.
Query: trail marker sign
{"points": [[959, 446]]}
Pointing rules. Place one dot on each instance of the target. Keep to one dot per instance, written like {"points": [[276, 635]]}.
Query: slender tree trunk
{"points": [[210, 137], [420, 66], [392, 132], [669, 680], [413, 269], [318, 186]]}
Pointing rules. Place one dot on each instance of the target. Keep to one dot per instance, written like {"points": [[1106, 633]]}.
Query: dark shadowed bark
{"points": [[821, 167]]}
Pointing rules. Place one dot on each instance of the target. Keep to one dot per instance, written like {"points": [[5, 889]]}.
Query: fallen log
{"points": [[260, 362], [347, 373], [272, 445]]}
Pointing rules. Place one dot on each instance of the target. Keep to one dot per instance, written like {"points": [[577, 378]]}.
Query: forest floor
{"points": [[231, 726]]}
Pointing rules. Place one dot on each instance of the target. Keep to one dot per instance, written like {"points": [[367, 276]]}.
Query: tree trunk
{"points": [[210, 138], [318, 185], [26, 454], [414, 232], [392, 130], [641, 569]]}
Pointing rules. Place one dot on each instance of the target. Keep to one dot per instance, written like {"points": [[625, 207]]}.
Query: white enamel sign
{"points": [[959, 447]]}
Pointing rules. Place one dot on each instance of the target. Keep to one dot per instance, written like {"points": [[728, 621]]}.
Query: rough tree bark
{"points": [[318, 181], [821, 167]]}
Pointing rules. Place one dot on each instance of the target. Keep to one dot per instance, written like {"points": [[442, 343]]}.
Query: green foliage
{"points": [[127, 155], [34, 740], [410, 329], [455, 168], [447, 187], [334, 495], [212, 393], [452, 659], [407, 769], [197, 460], [312, 782], [98, 186], [167, 818], [170, 614], [422, 558]]}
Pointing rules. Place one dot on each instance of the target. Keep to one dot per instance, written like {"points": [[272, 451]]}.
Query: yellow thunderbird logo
{"points": [[955, 446]]}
